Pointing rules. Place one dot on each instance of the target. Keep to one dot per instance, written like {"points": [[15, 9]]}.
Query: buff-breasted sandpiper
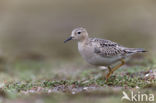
{"points": [[101, 52]]}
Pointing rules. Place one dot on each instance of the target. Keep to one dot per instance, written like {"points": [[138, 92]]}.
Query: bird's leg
{"points": [[110, 72], [115, 68], [118, 66]]}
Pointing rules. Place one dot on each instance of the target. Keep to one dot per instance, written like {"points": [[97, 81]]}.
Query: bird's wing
{"points": [[107, 48]]}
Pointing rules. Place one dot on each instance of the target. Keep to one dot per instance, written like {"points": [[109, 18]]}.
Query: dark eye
{"points": [[78, 32]]}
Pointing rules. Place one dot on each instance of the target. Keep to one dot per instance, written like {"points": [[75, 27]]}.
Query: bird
{"points": [[101, 52]]}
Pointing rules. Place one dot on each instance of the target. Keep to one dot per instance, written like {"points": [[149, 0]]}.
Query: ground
{"points": [[65, 81]]}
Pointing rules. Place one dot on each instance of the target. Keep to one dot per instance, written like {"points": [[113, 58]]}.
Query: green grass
{"points": [[67, 81]]}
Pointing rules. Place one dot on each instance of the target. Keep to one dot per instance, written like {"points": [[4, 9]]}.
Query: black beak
{"points": [[68, 39]]}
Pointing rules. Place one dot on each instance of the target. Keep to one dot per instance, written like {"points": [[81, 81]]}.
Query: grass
{"points": [[65, 81]]}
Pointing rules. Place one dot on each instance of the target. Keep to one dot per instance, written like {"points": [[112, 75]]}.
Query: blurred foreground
{"points": [[64, 82]]}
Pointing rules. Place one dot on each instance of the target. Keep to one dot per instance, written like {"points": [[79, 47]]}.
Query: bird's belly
{"points": [[95, 59], [102, 61]]}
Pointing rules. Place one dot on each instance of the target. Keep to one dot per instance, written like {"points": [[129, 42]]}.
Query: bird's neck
{"points": [[83, 40]]}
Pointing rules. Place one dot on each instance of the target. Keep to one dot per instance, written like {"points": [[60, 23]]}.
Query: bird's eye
{"points": [[78, 32]]}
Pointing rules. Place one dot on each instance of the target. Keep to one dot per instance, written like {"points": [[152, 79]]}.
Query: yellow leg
{"points": [[110, 71], [115, 68]]}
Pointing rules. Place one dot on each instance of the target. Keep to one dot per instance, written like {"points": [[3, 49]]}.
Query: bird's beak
{"points": [[68, 39]]}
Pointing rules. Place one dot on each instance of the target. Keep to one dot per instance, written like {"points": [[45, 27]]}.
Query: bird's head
{"points": [[79, 34]]}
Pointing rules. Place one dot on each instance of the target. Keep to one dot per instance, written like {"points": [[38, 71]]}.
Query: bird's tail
{"points": [[135, 50]]}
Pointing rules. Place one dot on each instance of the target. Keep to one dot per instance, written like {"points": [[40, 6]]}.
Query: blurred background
{"points": [[35, 60], [36, 29]]}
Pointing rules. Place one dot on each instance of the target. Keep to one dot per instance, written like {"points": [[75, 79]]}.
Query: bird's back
{"points": [[109, 48]]}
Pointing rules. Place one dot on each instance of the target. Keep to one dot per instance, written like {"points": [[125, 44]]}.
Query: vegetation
{"points": [[75, 81]]}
